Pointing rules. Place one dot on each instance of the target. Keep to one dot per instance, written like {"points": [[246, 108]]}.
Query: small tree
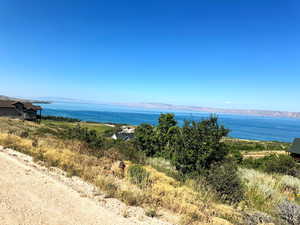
{"points": [[225, 181], [165, 122], [199, 145], [145, 140]]}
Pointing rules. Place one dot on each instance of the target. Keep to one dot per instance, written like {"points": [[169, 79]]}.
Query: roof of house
{"points": [[11, 104], [6, 104], [29, 105], [295, 147]]}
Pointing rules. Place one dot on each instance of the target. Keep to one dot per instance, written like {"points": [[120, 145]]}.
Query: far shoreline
{"points": [[126, 124], [189, 109]]}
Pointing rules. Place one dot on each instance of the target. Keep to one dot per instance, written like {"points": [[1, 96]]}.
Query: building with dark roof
{"points": [[19, 110], [295, 149]]}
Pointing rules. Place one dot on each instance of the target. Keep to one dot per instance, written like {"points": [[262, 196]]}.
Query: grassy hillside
{"points": [[152, 183], [255, 146], [3, 97]]}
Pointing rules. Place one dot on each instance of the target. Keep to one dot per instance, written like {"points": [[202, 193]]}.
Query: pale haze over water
{"points": [[241, 126]]}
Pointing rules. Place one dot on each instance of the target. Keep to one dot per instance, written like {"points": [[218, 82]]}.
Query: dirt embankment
{"points": [[31, 194]]}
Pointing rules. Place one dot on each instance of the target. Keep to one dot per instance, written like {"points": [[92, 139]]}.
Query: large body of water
{"points": [[245, 127]]}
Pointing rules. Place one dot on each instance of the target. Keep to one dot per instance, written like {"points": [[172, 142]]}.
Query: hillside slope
{"points": [[31, 196]]}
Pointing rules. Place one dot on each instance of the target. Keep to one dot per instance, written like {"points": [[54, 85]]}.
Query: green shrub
{"points": [[60, 118], [190, 148], [223, 178], [252, 163], [129, 152], [282, 164], [44, 131], [198, 145], [138, 175], [164, 166], [236, 156], [247, 145], [145, 139], [90, 137]]}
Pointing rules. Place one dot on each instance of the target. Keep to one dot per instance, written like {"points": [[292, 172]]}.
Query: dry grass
{"points": [[161, 191], [264, 192], [261, 154]]}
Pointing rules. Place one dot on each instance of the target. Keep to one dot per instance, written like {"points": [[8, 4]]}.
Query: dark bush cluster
{"points": [[127, 151], [98, 145], [283, 164], [60, 118], [190, 148], [138, 175], [194, 149], [90, 137], [240, 145], [224, 179]]}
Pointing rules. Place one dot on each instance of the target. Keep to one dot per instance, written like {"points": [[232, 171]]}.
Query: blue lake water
{"points": [[245, 127]]}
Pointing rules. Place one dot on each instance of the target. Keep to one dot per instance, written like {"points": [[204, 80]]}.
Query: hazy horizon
{"points": [[135, 104]]}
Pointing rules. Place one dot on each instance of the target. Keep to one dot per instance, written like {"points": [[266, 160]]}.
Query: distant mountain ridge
{"points": [[3, 97], [162, 106], [253, 112]]}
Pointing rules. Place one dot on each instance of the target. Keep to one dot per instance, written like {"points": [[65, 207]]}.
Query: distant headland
{"points": [[3, 97], [164, 106], [252, 112]]}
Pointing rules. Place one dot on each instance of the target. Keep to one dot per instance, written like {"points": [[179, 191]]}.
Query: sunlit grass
{"points": [[264, 191], [161, 191], [195, 202]]}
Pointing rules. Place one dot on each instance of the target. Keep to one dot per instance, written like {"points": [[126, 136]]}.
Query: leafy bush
{"points": [[225, 181], [252, 163], [198, 145], [138, 175], [283, 164], [44, 131], [145, 140], [60, 118], [190, 148], [91, 137], [128, 152], [247, 145], [236, 156], [164, 166]]}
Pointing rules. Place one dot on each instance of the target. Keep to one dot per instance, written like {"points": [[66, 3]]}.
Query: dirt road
{"points": [[29, 196]]}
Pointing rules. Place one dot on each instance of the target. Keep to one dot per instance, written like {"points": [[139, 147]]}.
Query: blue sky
{"points": [[233, 54]]}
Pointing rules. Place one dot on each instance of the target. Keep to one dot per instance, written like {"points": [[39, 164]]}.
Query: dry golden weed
{"points": [[164, 191]]}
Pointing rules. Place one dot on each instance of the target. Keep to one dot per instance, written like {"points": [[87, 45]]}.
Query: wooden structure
{"points": [[20, 110], [295, 149]]}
